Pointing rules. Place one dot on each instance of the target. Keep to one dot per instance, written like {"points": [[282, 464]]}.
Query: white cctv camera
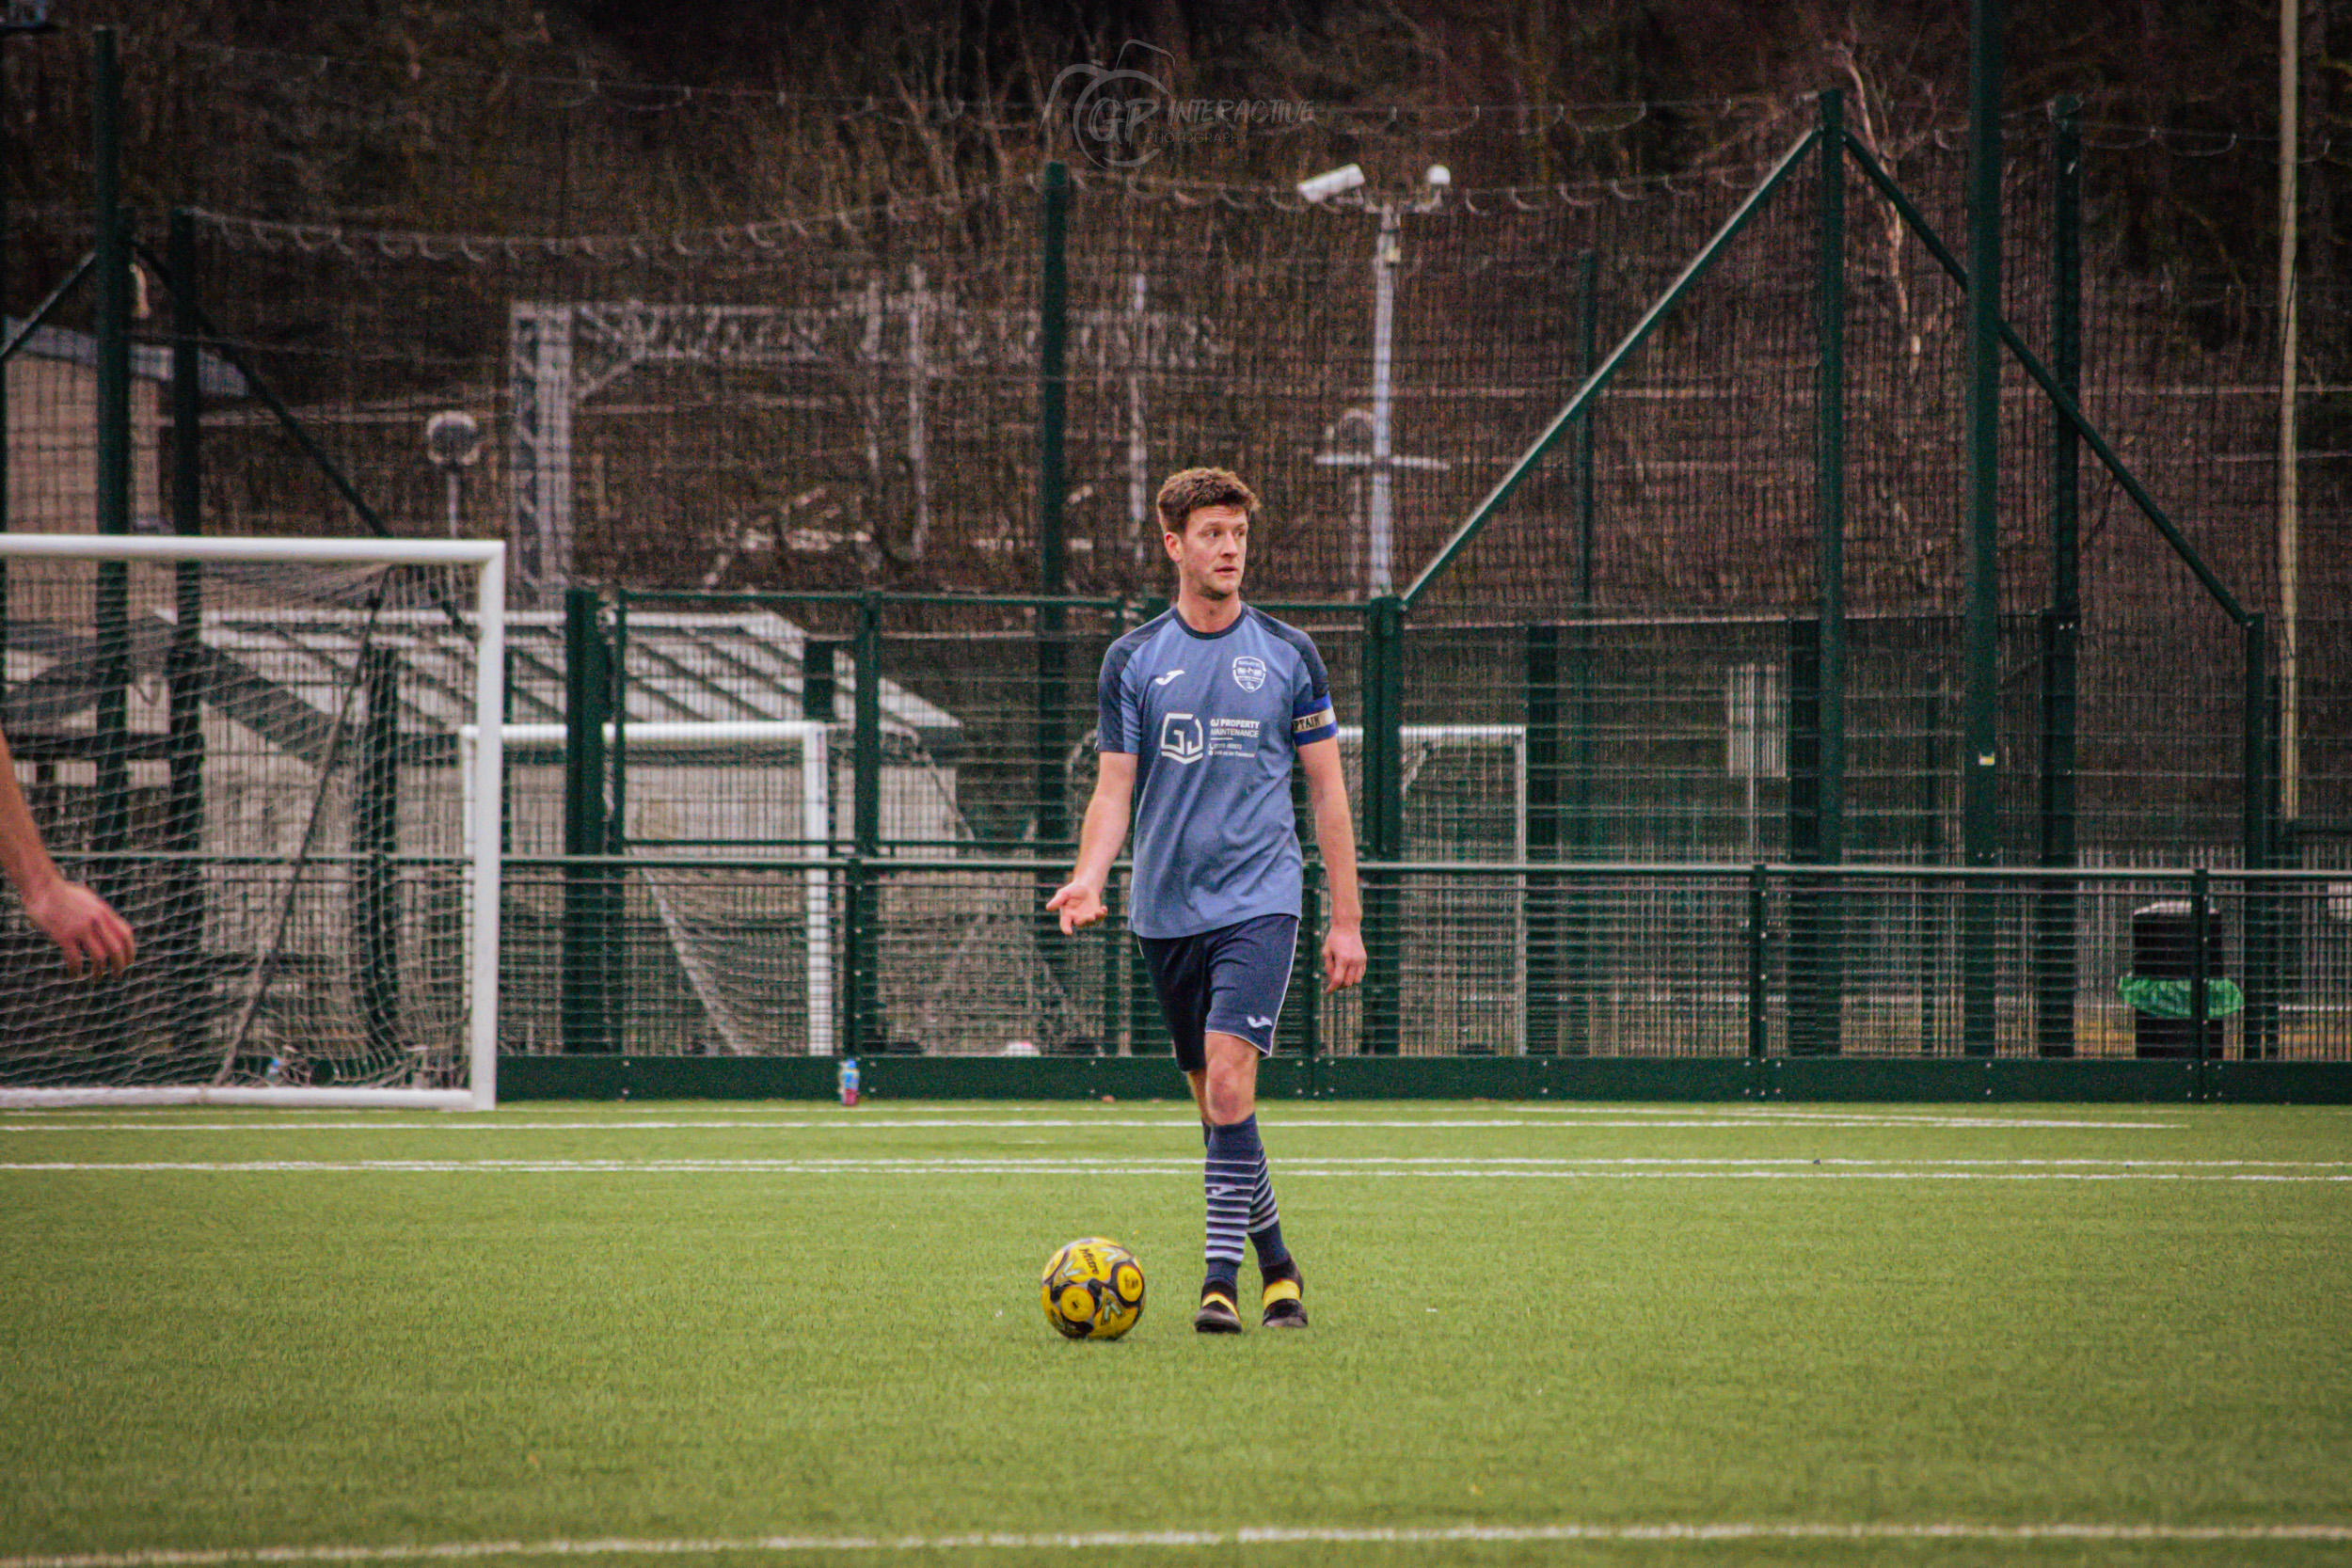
{"points": [[1323, 186], [1439, 176], [452, 440]]}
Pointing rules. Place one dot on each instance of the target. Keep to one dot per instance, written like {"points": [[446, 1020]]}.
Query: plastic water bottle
{"points": [[275, 1075], [849, 1081]]}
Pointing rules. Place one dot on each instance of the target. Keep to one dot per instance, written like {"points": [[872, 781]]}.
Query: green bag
{"points": [[2177, 999]]}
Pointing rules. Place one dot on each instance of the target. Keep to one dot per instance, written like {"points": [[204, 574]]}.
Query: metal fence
{"points": [[956, 956], [782, 493], [977, 394], [1491, 737]]}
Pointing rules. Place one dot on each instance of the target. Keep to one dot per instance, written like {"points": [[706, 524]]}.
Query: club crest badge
{"points": [[1250, 671]]}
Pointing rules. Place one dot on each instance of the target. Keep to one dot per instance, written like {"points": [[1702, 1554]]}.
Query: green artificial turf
{"points": [[815, 1323]]}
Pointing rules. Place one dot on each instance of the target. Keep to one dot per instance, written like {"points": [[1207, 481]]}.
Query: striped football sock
{"points": [[1228, 1174], [1265, 1220]]}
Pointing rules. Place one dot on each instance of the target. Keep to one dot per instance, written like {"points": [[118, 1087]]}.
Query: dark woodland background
{"points": [[843, 103]]}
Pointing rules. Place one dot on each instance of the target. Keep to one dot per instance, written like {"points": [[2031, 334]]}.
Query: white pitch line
{"points": [[948, 1164], [1756, 1169], [1794, 1114], [1433, 1535], [859, 1123]]}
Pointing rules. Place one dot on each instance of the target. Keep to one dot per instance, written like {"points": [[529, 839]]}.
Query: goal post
{"points": [[721, 788], [251, 747]]}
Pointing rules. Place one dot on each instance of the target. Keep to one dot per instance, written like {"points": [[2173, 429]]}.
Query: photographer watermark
{"points": [[1122, 115]]}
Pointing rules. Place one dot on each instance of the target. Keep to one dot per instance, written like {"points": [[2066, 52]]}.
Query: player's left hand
{"points": [[1344, 959]]}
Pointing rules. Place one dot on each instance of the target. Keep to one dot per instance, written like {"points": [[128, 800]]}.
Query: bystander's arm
{"points": [[85, 927]]}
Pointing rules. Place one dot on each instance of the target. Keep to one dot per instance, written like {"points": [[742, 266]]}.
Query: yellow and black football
{"points": [[1092, 1289]]}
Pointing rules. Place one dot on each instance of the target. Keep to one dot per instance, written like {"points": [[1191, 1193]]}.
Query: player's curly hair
{"points": [[1188, 492]]}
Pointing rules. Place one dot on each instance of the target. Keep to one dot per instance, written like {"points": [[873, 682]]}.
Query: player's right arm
{"points": [[1118, 736], [1080, 902]]}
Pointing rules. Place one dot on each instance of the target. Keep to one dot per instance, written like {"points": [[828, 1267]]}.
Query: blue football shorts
{"points": [[1228, 981]]}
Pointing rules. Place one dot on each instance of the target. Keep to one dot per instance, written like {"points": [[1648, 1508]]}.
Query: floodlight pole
{"points": [[1380, 546]]}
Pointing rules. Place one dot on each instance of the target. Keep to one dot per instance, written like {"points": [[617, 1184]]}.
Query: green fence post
{"points": [[1830, 484], [183, 934], [1760, 995], [616, 788], [2200, 964], [110, 822], [1541, 696], [1306, 1026], [1051, 742], [1807, 1001], [1052, 383], [864, 933], [618, 989], [1823, 899], [1384, 819], [2055, 914], [2256, 1028], [1143, 1007], [1980, 749], [1112, 1007], [588, 934], [1052, 490], [1573, 915], [1933, 919]]}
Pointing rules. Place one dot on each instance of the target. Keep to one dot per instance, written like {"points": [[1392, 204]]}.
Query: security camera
{"points": [[1439, 176], [452, 440], [1324, 186]]}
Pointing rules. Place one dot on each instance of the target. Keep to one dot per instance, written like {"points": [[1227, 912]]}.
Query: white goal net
{"points": [[699, 941], [252, 749], [1464, 797]]}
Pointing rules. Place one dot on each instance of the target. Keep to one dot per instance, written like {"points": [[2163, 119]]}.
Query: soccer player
{"points": [[1203, 710], [77, 920]]}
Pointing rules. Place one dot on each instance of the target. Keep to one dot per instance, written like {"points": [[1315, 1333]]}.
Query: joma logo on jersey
{"points": [[1250, 671], [1180, 740]]}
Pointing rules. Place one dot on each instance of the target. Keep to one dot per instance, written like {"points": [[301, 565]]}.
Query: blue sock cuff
{"points": [[1237, 1140]]}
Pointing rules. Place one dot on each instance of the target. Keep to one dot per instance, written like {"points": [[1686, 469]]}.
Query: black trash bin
{"points": [[2162, 985]]}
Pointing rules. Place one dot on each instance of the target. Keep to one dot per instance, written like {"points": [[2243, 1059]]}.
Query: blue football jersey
{"points": [[1214, 723]]}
